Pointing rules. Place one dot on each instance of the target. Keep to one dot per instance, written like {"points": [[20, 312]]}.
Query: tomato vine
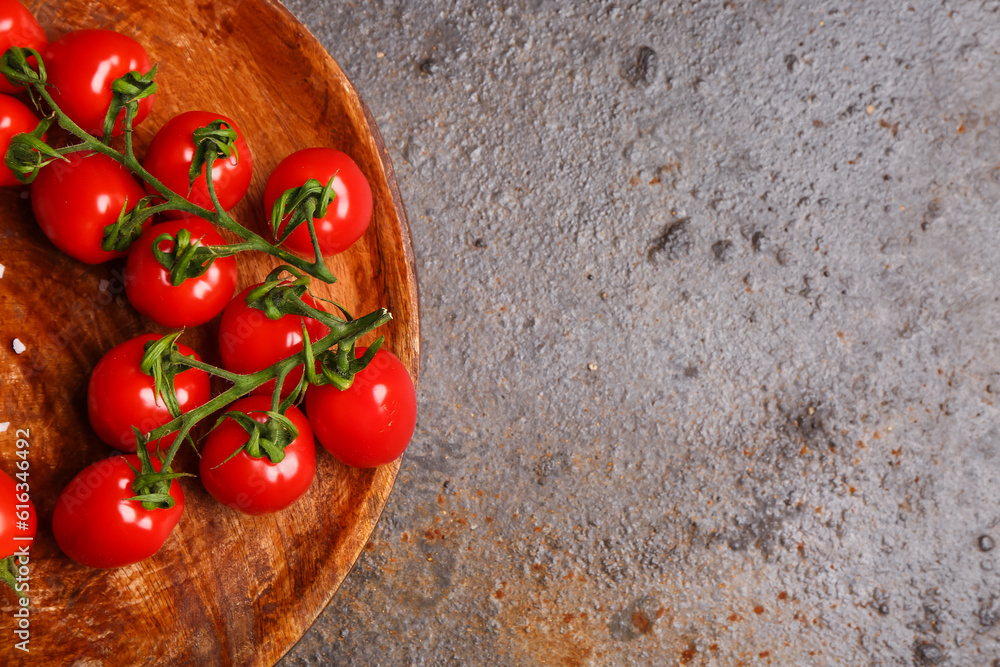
{"points": [[329, 360], [28, 153]]}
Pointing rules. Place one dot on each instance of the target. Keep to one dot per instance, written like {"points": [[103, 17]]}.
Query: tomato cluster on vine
{"points": [[281, 347]]}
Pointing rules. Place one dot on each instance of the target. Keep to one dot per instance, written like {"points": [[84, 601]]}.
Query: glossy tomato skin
{"points": [[120, 395], [349, 213], [82, 65], [249, 342], [17, 515], [370, 423], [15, 117], [18, 28], [96, 525], [255, 485], [75, 200], [193, 302], [170, 154]]}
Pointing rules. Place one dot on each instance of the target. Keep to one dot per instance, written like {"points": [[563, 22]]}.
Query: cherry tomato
{"points": [[18, 28], [74, 201], [193, 302], [97, 525], [15, 118], [349, 213], [249, 342], [255, 485], [371, 422], [120, 395], [17, 514], [169, 159], [81, 67]]}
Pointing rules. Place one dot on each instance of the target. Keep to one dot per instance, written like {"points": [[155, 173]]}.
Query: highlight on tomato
{"points": [[347, 216], [371, 422], [96, 524], [82, 65], [120, 395], [250, 482], [75, 199], [171, 153], [196, 300]]}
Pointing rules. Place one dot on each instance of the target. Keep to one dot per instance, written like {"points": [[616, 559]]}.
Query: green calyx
{"points": [[126, 91], [187, 258], [215, 140], [27, 152], [338, 366], [304, 204], [119, 235], [266, 439], [18, 71], [278, 296], [159, 363], [151, 488]]}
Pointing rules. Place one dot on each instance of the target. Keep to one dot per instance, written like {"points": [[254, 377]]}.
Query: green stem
{"points": [[209, 165], [279, 381], [150, 212], [335, 323], [208, 368], [231, 249], [244, 384], [75, 148], [175, 202], [129, 119]]}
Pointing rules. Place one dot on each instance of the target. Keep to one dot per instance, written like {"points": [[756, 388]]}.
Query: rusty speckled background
{"points": [[710, 309]]}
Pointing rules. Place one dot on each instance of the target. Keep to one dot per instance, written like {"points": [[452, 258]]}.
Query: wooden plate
{"points": [[226, 588]]}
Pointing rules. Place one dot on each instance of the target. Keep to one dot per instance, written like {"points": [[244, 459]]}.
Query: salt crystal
{"points": [[3, 427], [1, 270], [19, 346], [103, 285]]}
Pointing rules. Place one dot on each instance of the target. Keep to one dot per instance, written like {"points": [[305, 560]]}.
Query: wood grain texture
{"points": [[226, 589]]}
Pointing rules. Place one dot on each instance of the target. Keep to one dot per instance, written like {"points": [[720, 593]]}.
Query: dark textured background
{"points": [[710, 312]]}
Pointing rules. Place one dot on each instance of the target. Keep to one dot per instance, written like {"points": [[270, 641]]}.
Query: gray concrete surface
{"points": [[710, 313]]}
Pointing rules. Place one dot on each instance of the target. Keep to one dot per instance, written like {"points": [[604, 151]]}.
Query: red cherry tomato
{"points": [[349, 213], [249, 342], [169, 159], [95, 524], [17, 514], [255, 485], [193, 302], [120, 395], [18, 28], [371, 422], [81, 67], [15, 118], [74, 201]]}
